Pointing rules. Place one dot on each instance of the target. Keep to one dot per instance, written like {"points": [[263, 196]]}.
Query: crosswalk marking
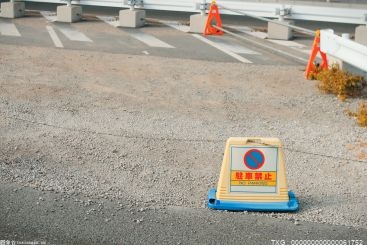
{"points": [[50, 16], [9, 29], [73, 34], [150, 40], [54, 37], [230, 53]]}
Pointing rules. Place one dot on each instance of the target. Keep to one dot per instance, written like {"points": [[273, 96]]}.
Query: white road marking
{"points": [[50, 16], [250, 31], [9, 29], [150, 40], [73, 34], [309, 51], [143, 37], [215, 45], [177, 26], [235, 48], [109, 20], [287, 43], [54, 37]]}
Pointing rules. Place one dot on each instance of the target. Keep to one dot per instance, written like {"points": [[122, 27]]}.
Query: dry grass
{"points": [[338, 82], [360, 114]]}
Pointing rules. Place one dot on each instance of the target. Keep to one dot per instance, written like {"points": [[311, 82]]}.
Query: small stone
{"points": [[296, 223], [106, 220]]}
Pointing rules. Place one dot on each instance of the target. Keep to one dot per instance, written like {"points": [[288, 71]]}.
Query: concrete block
{"points": [[132, 18], [12, 9], [280, 32], [197, 23], [361, 35], [69, 13]]}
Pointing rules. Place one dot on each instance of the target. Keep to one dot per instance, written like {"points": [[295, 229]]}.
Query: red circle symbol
{"points": [[254, 159]]}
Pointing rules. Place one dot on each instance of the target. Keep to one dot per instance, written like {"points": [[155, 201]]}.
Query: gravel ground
{"points": [[149, 133]]}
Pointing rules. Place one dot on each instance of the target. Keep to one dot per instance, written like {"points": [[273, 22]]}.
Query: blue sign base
{"points": [[290, 206]]}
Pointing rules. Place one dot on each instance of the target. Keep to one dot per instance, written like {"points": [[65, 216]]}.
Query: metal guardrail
{"points": [[344, 49], [297, 10]]}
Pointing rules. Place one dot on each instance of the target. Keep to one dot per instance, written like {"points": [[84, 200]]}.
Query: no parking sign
{"points": [[253, 177], [254, 169]]}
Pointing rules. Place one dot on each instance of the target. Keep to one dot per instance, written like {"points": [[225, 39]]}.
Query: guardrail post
{"points": [[132, 17], [361, 33], [198, 21], [12, 9], [277, 31], [69, 13]]}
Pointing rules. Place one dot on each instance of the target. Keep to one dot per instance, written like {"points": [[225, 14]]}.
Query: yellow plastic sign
{"points": [[253, 177]]}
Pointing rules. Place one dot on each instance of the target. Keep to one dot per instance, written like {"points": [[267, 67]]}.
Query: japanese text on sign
{"points": [[247, 178]]}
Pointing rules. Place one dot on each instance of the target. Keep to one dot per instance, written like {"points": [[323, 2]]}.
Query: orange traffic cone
{"points": [[213, 14], [311, 67]]}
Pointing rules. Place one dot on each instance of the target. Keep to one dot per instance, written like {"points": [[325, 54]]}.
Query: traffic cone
{"points": [[213, 14], [311, 67]]}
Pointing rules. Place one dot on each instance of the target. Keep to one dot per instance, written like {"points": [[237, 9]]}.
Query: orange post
{"points": [[316, 49], [213, 14]]}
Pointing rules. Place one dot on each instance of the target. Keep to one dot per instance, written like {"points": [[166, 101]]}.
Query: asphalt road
{"points": [[65, 222], [165, 35]]}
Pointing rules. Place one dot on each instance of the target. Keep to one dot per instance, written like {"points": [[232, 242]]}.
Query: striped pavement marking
{"points": [[228, 52], [291, 44], [54, 37], [177, 26], [235, 48], [148, 39], [73, 34], [9, 29], [229, 48]]}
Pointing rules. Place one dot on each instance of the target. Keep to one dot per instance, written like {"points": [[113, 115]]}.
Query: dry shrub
{"points": [[338, 82], [362, 114]]}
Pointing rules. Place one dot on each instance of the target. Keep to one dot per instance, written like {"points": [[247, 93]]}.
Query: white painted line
{"points": [[54, 37], [177, 26], [249, 31], [73, 34], [258, 34], [287, 43], [111, 20], [235, 48], [50, 16], [9, 29], [309, 51], [230, 53], [150, 40]]}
